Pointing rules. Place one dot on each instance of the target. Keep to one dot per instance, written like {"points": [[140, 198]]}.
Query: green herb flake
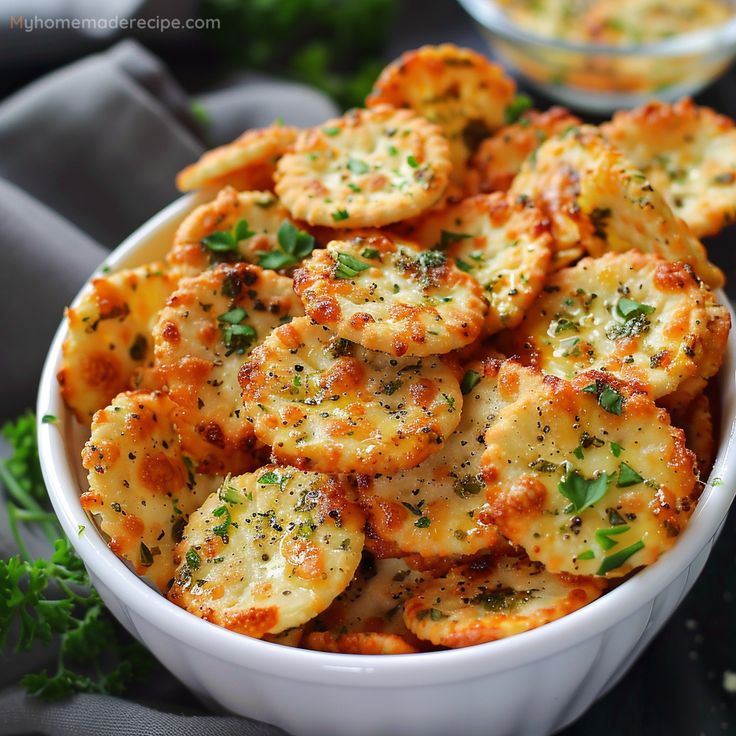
{"points": [[371, 253], [516, 108], [587, 554], [616, 449], [146, 556], [470, 380], [423, 522], [193, 559], [412, 161], [357, 167], [49, 419], [431, 259], [340, 215], [348, 266], [627, 476], [583, 492], [294, 245], [226, 241], [618, 558], [603, 536], [447, 238], [628, 308], [331, 132]]}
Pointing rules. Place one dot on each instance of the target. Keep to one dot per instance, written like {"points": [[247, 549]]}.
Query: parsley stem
{"points": [[15, 531]]}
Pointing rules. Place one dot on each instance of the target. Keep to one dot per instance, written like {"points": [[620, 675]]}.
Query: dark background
{"points": [[676, 687]]}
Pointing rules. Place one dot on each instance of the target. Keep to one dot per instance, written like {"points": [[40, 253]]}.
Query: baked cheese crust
{"points": [[235, 226], [456, 88], [109, 336], [688, 153], [388, 294], [505, 246], [202, 337], [439, 508], [588, 476], [141, 490], [499, 158], [366, 169], [249, 162], [324, 403], [492, 598], [268, 551], [597, 200], [635, 315]]}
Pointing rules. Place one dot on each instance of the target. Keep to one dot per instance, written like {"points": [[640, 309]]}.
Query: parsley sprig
{"points": [[51, 600]]}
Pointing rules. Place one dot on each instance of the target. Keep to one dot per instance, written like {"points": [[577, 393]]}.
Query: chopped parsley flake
{"points": [[618, 558], [583, 492], [294, 245], [340, 215], [470, 380], [348, 266]]}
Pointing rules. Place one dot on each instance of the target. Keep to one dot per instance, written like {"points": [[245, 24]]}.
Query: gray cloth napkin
{"points": [[87, 154]]}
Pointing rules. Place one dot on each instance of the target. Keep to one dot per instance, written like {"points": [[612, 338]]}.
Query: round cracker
{"points": [[202, 336], [505, 245], [366, 169], [632, 314], [697, 422], [249, 162], [373, 601], [688, 153], [269, 551], [457, 88], [109, 338], [235, 226], [324, 403], [492, 598], [588, 476], [438, 508], [388, 294], [598, 201], [499, 158], [141, 490], [358, 643]]}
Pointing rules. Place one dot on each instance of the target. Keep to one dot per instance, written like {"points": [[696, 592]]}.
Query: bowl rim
{"points": [[492, 18], [132, 593]]}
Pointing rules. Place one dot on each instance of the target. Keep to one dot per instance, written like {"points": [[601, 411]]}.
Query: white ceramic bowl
{"points": [[527, 685]]}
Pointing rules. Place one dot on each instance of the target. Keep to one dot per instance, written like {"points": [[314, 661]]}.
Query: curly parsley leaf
{"points": [[45, 601]]}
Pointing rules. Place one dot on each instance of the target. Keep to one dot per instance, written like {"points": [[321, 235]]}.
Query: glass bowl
{"points": [[601, 79]]}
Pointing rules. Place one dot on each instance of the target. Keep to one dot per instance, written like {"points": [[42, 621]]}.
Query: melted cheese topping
{"points": [[634, 315], [589, 477], [492, 598], [388, 294], [109, 338], [249, 162], [616, 22], [141, 490], [697, 421], [202, 337], [268, 551], [366, 169], [439, 508], [261, 216], [456, 88], [506, 247], [500, 157], [688, 153], [598, 201], [322, 402]]}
